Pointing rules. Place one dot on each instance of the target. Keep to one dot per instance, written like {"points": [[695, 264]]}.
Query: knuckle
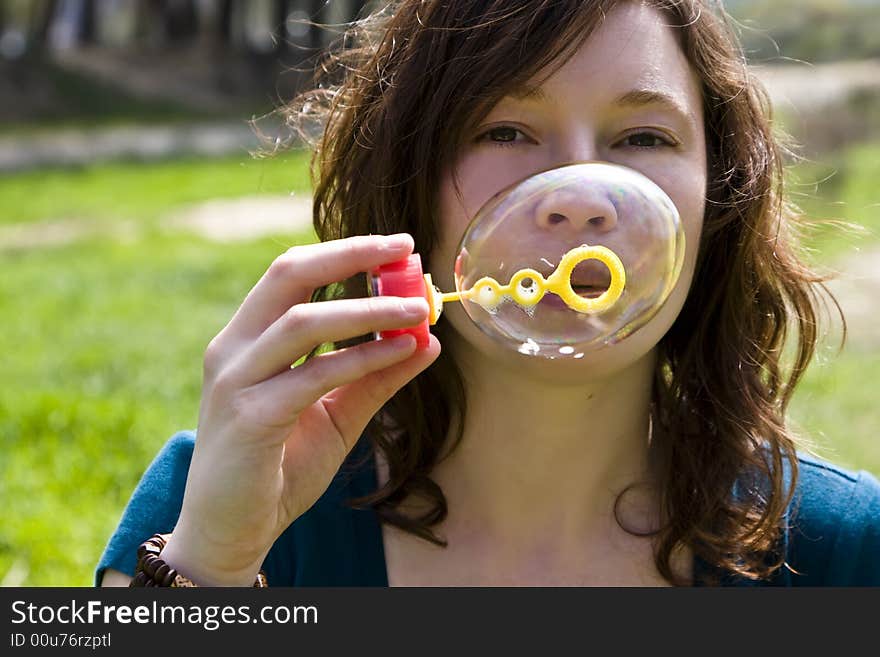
{"points": [[318, 376], [360, 363], [214, 357], [355, 249], [222, 386], [357, 245], [299, 319], [254, 413], [241, 404], [285, 265], [378, 306]]}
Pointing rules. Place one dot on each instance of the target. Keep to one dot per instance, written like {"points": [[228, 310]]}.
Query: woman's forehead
{"points": [[633, 57]]}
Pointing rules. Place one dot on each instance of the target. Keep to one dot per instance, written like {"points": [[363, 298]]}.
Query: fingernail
{"points": [[415, 306], [398, 240], [405, 341]]}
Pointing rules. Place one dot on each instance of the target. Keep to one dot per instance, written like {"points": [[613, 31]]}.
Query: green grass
{"points": [[144, 192], [841, 194], [836, 405], [102, 345]]}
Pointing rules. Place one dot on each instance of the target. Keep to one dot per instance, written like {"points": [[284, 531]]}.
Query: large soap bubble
{"points": [[565, 262], [569, 260]]}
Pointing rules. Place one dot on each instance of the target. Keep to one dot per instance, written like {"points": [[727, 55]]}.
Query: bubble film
{"points": [[569, 260]]}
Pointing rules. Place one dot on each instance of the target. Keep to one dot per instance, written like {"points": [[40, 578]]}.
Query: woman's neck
{"points": [[538, 457]]}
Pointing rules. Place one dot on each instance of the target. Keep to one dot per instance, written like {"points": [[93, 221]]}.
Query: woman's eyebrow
{"points": [[531, 93], [633, 98], [644, 97]]}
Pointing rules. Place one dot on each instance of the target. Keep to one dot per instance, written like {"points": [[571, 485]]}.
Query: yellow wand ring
{"points": [[527, 287], [560, 280]]}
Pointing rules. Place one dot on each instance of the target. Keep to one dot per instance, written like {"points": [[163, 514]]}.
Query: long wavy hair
{"points": [[385, 118]]}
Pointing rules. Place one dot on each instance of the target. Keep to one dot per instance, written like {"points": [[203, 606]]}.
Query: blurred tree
{"points": [[193, 53], [42, 13], [161, 22], [180, 19], [808, 30], [87, 28], [316, 15], [148, 21], [224, 21], [282, 11]]}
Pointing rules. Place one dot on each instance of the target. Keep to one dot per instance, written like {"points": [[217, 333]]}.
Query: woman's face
{"points": [[627, 96]]}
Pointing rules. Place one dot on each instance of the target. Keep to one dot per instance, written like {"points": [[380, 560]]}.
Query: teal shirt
{"points": [[833, 535]]}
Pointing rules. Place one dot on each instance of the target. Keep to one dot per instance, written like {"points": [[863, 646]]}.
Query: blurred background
{"points": [[134, 219]]}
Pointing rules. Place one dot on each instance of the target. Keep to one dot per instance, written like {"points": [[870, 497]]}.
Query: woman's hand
{"points": [[271, 438]]}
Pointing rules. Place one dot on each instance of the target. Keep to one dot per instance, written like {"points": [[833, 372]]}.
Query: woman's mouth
{"points": [[590, 279], [589, 291], [552, 300]]}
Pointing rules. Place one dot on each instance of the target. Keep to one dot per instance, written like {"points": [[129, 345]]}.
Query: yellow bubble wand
{"points": [[527, 287]]}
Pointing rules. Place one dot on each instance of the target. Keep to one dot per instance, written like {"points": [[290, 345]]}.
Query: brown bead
{"points": [[156, 541], [169, 577], [161, 571], [151, 562], [148, 547], [140, 579]]}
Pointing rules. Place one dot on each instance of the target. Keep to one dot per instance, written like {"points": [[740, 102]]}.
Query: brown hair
{"points": [[392, 104]]}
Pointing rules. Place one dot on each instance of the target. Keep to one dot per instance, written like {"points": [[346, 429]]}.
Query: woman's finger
{"points": [[307, 325], [349, 407], [294, 275], [279, 401]]}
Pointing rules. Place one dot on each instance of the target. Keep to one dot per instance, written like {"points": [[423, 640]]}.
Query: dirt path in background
{"points": [[86, 146], [219, 220], [857, 289], [810, 87], [244, 218]]}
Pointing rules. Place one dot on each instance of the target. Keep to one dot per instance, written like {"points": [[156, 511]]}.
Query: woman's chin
{"points": [[550, 364]]}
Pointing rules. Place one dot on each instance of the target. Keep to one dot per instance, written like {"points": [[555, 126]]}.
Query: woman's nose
{"points": [[577, 211]]}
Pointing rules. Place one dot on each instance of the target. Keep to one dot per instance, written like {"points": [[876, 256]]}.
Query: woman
{"points": [[663, 459]]}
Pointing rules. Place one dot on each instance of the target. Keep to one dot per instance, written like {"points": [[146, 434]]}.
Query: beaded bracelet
{"points": [[152, 570]]}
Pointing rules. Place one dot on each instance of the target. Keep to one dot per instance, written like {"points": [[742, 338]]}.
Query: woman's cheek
{"points": [[685, 184]]}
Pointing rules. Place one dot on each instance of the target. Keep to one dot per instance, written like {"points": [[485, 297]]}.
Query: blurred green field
{"points": [[102, 345], [144, 192], [841, 195], [835, 405]]}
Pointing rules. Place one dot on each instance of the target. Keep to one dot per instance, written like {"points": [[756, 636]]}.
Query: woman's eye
{"points": [[646, 140], [502, 135]]}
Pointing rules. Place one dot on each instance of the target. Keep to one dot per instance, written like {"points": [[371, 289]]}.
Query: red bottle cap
{"points": [[404, 278]]}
